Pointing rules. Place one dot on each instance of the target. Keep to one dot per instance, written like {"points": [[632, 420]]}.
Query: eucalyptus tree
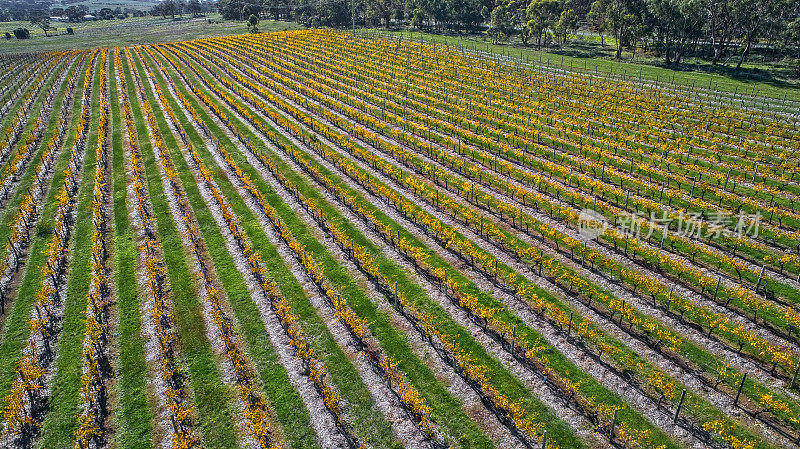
{"points": [[675, 24]]}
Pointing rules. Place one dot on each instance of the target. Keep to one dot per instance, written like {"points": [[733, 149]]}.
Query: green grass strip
{"points": [[368, 420], [16, 329], [134, 415], [27, 177], [33, 109], [212, 397], [447, 410], [561, 364], [29, 129], [60, 422], [288, 405]]}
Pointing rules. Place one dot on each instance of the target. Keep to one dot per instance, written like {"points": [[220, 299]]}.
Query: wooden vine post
{"points": [[680, 404], [739, 391]]}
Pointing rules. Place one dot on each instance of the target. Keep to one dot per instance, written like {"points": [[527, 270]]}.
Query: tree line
{"points": [[714, 29], [16, 11], [173, 8], [719, 31]]}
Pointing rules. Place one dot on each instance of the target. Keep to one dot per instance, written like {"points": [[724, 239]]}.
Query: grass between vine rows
{"points": [[59, 425], [372, 427], [12, 205], [267, 112], [15, 328], [212, 397], [393, 342], [134, 415]]}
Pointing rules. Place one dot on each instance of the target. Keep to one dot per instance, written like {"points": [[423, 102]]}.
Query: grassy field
{"points": [[131, 31]]}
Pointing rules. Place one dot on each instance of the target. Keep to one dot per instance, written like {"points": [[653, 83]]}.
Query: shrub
{"points": [[22, 33]]}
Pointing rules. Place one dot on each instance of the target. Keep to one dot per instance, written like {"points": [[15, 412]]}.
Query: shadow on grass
{"points": [[778, 77], [774, 77]]}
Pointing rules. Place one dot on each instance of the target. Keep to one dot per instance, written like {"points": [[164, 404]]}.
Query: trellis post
{"points": [[739, 391], [613, 426], [680, 404], [569, 326], [758, 283], [513, 338]]}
